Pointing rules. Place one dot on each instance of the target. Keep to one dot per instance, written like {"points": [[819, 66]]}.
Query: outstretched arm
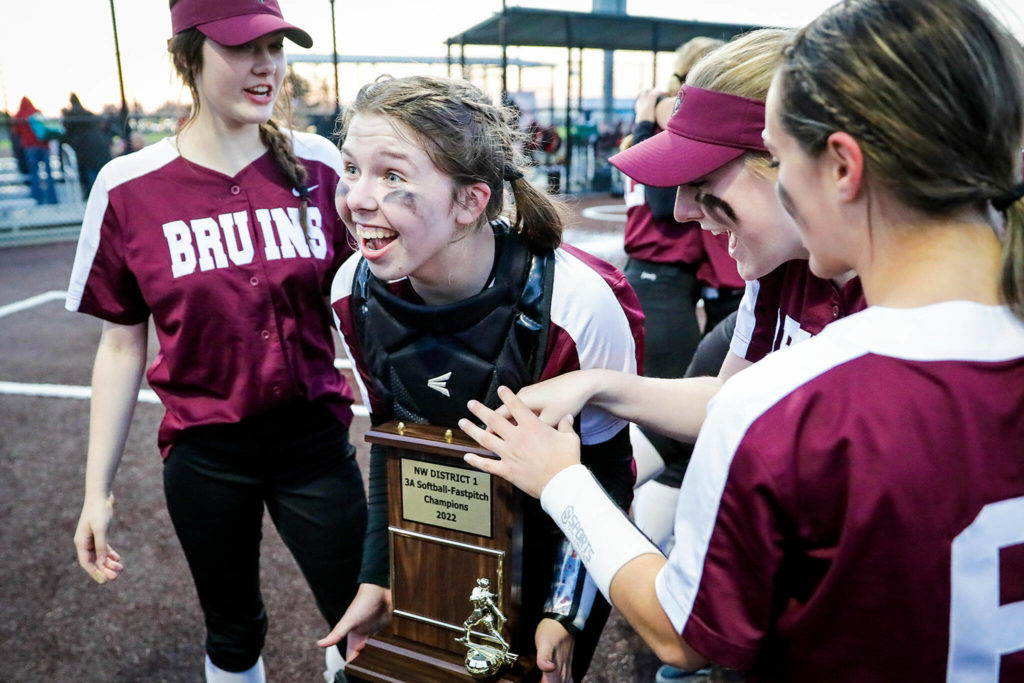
{"points": [[116, 376], [544, 462], [673, 407]]}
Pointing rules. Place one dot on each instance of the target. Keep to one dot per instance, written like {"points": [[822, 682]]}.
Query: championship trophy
{"points": [[455, 536]]}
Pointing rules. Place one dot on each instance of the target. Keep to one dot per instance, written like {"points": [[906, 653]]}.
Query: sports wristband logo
{"points": [[573, 528]]}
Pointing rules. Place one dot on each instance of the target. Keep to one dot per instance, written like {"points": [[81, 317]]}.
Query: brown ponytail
{"points": [[538, 218], [1012, 281], [933, 90]]}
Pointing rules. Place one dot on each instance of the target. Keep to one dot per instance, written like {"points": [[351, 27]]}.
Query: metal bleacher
{"points": [[22, 221]]}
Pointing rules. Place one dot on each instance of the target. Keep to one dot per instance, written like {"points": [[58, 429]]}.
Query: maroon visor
{"points": [[234, 22], [708, 130]]}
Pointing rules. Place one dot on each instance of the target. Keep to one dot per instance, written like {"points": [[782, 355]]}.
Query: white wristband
{"points": [[599, 531]]}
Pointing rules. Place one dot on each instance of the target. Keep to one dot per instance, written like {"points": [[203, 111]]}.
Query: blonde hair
{"points": [[687, 55], [186, 50], [744, 66], [469, 139], [933, 91]]}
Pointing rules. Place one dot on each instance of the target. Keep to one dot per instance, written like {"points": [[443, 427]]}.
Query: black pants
{"points": [[296, 461], [668, 294]]}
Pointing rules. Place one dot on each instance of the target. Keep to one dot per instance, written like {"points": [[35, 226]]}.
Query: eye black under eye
{"points": [[716, 205], [774, 163]]}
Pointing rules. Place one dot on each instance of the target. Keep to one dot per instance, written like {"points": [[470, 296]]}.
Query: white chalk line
{"points": [[69, 391], [62, 391], [606, 212], [78, 392], [36, 300]]}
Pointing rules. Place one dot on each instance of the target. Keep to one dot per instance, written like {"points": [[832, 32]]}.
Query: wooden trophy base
{"points": [[409, 662], [454, 535]]}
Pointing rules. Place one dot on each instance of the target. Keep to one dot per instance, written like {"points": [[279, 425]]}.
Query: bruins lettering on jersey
{"points": [[212, 242]]}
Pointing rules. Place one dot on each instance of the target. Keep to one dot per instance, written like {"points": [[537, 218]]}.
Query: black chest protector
{"points": [[428, 361]]}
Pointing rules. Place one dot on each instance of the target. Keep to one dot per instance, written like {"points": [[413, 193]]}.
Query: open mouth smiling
{"points": [[375, 239]]}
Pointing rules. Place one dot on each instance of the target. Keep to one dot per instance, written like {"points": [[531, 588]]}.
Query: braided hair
{"points": [[933, 90]]}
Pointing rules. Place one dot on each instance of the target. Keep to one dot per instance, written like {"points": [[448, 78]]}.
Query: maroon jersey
{"points": [[787, 306], [660, 241], [854, 509], [235, 288]]}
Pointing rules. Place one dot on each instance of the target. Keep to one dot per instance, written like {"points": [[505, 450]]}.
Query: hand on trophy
{"points": [[554, 651], [531, 452], [554, 398], [369, 612]]}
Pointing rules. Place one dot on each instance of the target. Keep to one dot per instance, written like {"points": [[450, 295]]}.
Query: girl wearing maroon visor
{"points": [[713, 150], [854, 509], [225, 236]]}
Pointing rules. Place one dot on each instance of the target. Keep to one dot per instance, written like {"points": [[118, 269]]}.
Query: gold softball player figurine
{"points": [[485, 660]]}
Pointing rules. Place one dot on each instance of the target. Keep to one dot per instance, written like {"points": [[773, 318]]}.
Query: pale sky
{"points": [[49, 48]]}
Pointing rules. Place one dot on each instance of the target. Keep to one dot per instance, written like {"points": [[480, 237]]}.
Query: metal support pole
{"points": [[568, 114], [551, 75], [503, 37], [579, 80], [613, 7], [654, 54], [125, 127], [334, 41]]}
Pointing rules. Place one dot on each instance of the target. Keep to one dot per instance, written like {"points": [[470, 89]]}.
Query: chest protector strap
{"points": [[428, 361]]}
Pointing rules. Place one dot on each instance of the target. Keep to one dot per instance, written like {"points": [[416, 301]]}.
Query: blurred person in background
{"points": [[34, 134], [88, 136]]}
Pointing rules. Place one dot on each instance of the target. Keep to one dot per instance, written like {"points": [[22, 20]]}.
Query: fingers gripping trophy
{"points": [[484, 660]]}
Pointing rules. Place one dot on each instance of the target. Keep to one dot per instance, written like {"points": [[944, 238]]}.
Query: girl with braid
{"points": [[448, 298], [854, 508], [225, 236]]}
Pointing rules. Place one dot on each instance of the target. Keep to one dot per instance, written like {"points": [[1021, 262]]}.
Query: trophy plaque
{"points": [[455, 537]]}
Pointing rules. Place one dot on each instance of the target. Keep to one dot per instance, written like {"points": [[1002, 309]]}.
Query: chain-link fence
{"points": [[41, 192]]}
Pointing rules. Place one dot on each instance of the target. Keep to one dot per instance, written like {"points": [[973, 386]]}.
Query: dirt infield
{"points": [[58, 625]]}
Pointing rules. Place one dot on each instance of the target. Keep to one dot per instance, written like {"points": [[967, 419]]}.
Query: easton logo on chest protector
{"points": [[439, 383], [426, 362]]}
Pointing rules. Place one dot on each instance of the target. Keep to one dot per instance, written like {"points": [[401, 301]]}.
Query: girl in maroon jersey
{"points": [[448, 298], [726, 183], [713, 148], [225, 237], [855, 504]]}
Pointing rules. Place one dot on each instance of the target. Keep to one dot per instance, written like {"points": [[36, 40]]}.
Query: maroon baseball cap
{"points": [[708, 130], [233, 22]]}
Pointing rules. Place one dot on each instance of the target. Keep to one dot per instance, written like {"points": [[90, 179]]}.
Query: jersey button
{"points": [[254, 281], [235, 189], [265, 334]]}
